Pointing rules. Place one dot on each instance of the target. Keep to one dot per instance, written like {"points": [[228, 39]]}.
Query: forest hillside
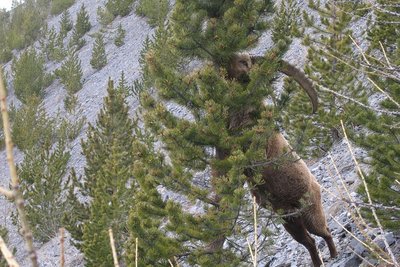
{"points": [[136, 145]]}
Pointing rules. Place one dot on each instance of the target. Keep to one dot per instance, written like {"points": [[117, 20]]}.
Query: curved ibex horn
{"points": [[299, 77]]}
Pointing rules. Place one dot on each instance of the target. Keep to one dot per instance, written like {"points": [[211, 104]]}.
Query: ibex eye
{"points": [[244, 63]]}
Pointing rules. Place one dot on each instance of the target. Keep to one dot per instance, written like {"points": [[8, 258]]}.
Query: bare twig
{"points": [[255, 231], [176, 262], [373, 70], [347, 192], [250, 249], [378, 7], [369, 199], [136, 251], [359, 221], [170, 263], [62, 249], [359, 48], [321, 259], [322, 88], [8, 256], [361, 257], [7, 193], [384, 53], [360, 241], [383, 92], [114, 251], [18, 198]]}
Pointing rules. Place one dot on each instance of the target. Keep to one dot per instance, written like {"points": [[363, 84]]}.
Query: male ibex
{"points": [[289, 184]]}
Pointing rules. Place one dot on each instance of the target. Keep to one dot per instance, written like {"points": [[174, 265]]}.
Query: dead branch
{"points": [[7, 193], [8, 256], [62, 249], [114, 251]]}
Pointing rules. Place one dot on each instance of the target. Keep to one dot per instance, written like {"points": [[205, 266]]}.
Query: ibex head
{"points": [[241, 64]]}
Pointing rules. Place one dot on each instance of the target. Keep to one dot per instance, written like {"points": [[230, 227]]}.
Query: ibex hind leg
{"points": [[326, 235], [296, 228], [315, 221]]}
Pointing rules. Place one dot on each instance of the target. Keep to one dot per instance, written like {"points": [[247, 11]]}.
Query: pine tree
{"points": [[82, 25], [31, 126], [76, 41], [211, 32], [29, 75], [73, 221], [41, 175], [147, 215], [108, 178], [5, 51], [43, 169], [330, 40], [65, 23], [120, 38], [382, 140], [70, 75], [26, 22], [52, 45], [99, 58]]}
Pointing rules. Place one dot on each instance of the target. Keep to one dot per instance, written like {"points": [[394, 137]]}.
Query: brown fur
{"points": [[287, 182], [291, 188]]}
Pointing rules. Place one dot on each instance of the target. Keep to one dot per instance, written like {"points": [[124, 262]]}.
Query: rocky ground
{"points": [[285, 251]]}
